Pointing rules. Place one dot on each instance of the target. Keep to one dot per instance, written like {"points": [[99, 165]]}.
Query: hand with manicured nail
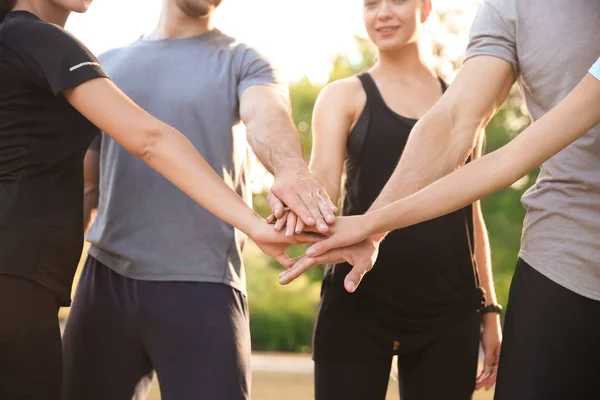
{"points": [[361, 256], [305, 197], [275, 244]]}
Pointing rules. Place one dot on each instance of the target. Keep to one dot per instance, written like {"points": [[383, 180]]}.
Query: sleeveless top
{"points": [[425, 274]]}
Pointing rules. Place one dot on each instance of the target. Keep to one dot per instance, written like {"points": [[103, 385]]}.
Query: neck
{"points": [[407, 59], [175, 24], [44, 10]]}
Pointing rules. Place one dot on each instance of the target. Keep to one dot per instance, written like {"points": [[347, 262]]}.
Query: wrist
{"points": [[292, 167], [490, 320], [250, 224]]}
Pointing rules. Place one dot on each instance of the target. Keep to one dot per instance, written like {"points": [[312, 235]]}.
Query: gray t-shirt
{"points": [[551, 45], [146, 228]]}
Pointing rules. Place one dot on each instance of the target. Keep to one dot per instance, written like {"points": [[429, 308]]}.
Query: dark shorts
{"points": [[30, 356], [194, 335], [551, 346]]}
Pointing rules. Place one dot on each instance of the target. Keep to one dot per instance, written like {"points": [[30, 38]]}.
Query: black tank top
{"points": [[424, 273]]}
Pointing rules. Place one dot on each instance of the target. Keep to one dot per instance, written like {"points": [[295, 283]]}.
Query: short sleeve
{"points": [[257, 70], [56, 56], [493, 32], [595, 70]]}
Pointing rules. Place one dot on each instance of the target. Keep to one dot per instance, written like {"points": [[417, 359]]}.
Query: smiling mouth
{"points": [[387, 29]]}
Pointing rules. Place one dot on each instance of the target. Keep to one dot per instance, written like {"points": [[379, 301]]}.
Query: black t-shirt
{"points": [[43, 140]]}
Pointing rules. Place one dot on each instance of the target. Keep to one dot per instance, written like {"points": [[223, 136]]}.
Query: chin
{"points": [[390, 45], [78, 6]]}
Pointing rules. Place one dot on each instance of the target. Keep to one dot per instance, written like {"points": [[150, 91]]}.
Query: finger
{"points": [[292, 219], [270, 219], [283, 259], [291, 261], [305, 263], [296, 205], [321, 247], [296, 270], [310, 201], [327, 208], [355, 276], [481, 380], [312, 229], [334, 208], [299, 226], [491, 380], [277, 207], [281, 222]]}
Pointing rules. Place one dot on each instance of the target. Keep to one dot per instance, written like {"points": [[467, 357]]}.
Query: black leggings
{"points": [[551, 346], [30, 349], [444, 369]]}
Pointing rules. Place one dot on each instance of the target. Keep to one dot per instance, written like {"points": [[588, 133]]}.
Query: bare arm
{"points": [[569, 120], [443, 139], [332, 121], [266, 112], [162, 148], [272, 135], [483, 259], [491, 337], [91, 178]]}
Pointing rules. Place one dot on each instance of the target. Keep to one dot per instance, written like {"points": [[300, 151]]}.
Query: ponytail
{"points": [[5, 7]]}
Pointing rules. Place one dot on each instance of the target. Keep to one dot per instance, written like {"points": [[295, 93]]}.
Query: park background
{"points": [[314, 42]]}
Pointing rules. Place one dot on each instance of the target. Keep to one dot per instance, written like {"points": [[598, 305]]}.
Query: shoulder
{"points": [[344, 94], [25, 32], [241, 52]]}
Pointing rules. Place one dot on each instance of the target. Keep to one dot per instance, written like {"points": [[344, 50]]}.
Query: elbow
{"points": [[147, 147]]}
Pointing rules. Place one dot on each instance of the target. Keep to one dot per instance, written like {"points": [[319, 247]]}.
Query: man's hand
{"points": [[305, 197], [491, 340], [361, 256]]}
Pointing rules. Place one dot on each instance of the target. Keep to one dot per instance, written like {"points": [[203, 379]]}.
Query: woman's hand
{"points": [[275, 243], [344, 232], [491, 340]]}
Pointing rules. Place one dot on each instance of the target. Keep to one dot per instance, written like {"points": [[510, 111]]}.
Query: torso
{"points": [[43, 140]]}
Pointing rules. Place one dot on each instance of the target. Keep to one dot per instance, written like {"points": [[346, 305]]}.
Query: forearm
{"points": [[174, 157], [275, 140], [443, 139], [437, 146], [499, 169], [483, 259]]}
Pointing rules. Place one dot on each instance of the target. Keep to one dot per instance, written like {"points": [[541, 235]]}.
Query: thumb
{"points": [[354, 277], [276, 205]]}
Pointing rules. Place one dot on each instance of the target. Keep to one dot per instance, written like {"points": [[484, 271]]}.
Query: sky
{"points": [[300, 37]]}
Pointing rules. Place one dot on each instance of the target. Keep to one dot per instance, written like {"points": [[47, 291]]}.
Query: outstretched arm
{"points": [[172, 155], [272, 135], [497, 170], [570, 119]]}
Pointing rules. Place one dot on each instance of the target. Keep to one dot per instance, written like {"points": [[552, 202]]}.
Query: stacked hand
{"points": [[303, 213], [306, 197], [348, 241], [309, 209]]}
